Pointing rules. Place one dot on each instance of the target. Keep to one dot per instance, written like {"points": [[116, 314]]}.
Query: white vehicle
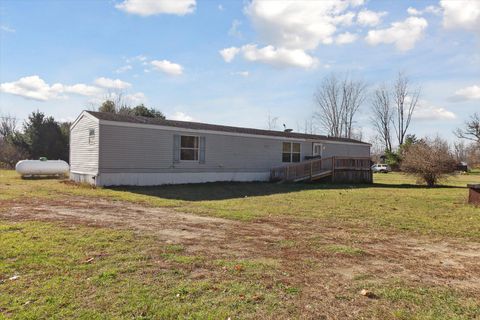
{"points": [[383, 168]]}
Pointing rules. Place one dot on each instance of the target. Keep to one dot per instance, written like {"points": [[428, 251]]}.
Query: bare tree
{"points": [[337, 102], [115, 102], [8, 125], [9, 153], [467, 152], [353, 96], [471, 130], [377, 149], [460, 150], [473, 155], [271, 121], [405, 99], [308, 127], [382, 116]]}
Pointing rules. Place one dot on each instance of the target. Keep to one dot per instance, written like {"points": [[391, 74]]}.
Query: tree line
{"points": [[338, 100], [43, 136], [392, 106]]}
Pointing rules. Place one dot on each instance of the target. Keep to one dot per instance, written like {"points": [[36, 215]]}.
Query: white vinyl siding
{"points": [[137, 149], [145, 149], [84, 147]]}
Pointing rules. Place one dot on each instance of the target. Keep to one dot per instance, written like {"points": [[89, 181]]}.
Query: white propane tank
{"points": [[42, 167]]}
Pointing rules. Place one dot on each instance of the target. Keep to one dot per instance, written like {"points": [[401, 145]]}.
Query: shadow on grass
{"points": [[234, 190], [45, 177]]}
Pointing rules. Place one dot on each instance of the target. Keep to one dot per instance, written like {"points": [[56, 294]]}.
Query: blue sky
{"points": [[61, 57]]}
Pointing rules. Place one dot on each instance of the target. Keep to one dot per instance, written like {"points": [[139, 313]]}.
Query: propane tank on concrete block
{"points": [[42, 167]]}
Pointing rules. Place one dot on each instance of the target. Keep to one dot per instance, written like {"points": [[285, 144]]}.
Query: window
{"points": [[91, 136], [189, 148], [291, 152]]}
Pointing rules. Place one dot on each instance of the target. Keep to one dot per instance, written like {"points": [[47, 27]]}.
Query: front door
{"points": [[317, 149]]}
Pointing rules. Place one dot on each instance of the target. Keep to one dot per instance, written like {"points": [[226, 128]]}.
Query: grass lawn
{"points": [[91, 273], [75, 270], [393, 201]]}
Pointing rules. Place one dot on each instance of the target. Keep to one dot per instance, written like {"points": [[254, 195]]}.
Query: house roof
{"points": [[107, 116]]}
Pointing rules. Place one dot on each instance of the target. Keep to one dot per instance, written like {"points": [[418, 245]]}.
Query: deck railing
{"points": [[311, 168], [304, 169], [352, 163]]}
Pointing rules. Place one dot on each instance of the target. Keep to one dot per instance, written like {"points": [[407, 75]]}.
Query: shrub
{"points": [[429, 160]]}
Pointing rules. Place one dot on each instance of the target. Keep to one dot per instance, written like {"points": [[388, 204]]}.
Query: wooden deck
{"points": [[339, 169]]}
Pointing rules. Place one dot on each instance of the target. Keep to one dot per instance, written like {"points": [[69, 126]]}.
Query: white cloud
{"points": [[112, 83], [468, 93], [220, 7], [280, 57], [345, 38], [433, 113], [414, 12], [241, 73], [290, 30], [228, 54], [35, 88], [153, 7], [403, 34], [299, 24], [234, 32], [167, 67], [135, 99], [433, 10], [426, 111], [32, 87], [7, 29], [370, 18], [181, 116], [357, 3], [430, 9], [344, 20], [129, 99], [463, 14], [124, 69], [139, 58], [82, 89]]}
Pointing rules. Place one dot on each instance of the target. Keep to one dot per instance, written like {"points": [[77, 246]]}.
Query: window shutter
{"points": [[176, 148], [202, 150]]}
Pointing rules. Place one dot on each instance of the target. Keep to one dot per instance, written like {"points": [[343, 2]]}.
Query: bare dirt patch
{"points": [[324, 282]]}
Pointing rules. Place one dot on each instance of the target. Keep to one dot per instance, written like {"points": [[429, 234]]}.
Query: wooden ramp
{"points": [[339, 169], [315, 176]]}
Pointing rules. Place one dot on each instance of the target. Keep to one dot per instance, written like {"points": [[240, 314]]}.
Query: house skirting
{"points": [[83, 177], [155, 179]]}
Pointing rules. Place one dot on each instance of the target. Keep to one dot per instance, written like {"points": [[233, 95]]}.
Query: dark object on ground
{"points": [[369, 294], [474, 194], [462, 167]]}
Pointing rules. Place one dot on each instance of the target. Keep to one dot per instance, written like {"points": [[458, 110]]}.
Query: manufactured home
{"points": [[110, 150]]}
